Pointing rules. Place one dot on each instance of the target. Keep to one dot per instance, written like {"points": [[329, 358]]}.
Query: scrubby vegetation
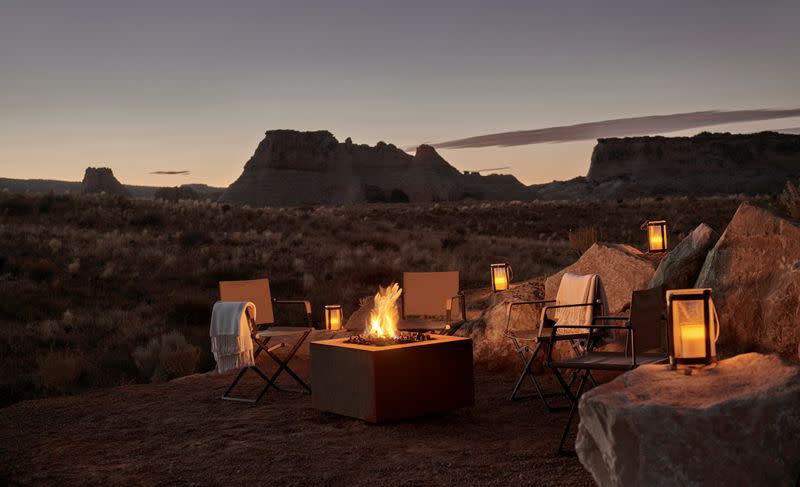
{"points": [[100, 290]]}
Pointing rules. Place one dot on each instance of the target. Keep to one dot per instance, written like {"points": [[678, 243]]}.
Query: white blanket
{"points": [[576, 289], [231, 343]]}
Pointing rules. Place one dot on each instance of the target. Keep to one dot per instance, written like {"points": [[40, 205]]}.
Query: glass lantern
{"points": [[693, 328], [333, 317], [501, 277], [656, 235]]}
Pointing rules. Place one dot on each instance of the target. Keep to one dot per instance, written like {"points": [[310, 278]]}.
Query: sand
{"points": [[181, 433]]}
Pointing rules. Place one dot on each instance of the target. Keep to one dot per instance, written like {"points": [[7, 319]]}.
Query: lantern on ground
{"points": [[333, 317], [501, 276], [693, 327], [656, 235]]}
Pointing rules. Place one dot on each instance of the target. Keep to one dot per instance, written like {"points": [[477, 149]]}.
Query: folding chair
{"points": [[645, 343], [427, 302], [264, 330], [583, 294]]}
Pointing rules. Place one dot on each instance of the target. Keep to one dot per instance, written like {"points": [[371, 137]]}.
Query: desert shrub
{"points": [[149, 219], [193, 238], [176, 357], [17, 205], [583, 238], [165, 358], [42, 270], [789, 199], [58, 371]]}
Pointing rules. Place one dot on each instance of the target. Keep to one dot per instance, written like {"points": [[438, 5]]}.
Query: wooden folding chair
{"points": [[263, 330], [645, 343], [428, 300], [529, 342]]}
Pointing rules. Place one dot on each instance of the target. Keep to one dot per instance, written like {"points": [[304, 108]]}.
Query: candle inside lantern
{"points": [[693, 340], [500, 280], [656, 240], [333, 317]]}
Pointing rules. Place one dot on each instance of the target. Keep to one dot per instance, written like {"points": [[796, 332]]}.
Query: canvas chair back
{"points": [[426, 293], [577, 289], [255, 291], [647, 320]]}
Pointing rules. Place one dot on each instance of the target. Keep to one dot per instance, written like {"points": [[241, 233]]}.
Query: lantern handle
{"points": [[644, 225], [716, 321]]}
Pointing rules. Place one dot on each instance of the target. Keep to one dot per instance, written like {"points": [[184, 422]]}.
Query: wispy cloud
{"points": [[172, 173], [621, 127]]}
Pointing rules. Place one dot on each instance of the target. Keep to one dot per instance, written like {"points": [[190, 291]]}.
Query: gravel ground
{"points": [[181, 433]]}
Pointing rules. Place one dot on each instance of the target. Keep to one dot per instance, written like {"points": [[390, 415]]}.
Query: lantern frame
{"points": [[506, 269], [662, 224], [709, 317], [330, 311]]}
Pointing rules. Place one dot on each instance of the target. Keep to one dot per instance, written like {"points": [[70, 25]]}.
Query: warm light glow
{"points": [[384, 316], [693, 340], [656, 236], [333, 317], [500, 277]]}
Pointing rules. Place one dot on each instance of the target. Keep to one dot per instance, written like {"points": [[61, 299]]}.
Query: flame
{"points": [[383, 318]]}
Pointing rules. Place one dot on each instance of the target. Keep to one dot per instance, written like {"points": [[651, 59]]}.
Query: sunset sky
{"points": [[192, 85]]}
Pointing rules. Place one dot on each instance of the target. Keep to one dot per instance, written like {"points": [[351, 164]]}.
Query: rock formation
{"points": [[737, 424], [291, 168], [754, 272], [102, 180], [681, 266], [622, 270], [706, 164], [176, 193]]}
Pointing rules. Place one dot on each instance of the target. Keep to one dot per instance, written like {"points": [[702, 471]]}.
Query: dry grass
{"points": [[102, 277], [789, 199]]}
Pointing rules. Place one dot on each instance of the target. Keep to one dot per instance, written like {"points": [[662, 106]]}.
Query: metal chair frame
{"points": [[449, 327], [261, 341], [529, 347], [583, 365]]}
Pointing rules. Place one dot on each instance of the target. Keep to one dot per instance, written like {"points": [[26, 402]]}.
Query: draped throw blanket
{"points": [[231, 343], [576, 289]]}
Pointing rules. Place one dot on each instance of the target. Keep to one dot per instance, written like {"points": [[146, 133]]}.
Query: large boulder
{"points": [[736, 424], [680, 267], [754, 272], [622, 270]]}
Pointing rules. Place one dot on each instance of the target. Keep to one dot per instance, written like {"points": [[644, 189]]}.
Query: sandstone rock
{"points": [[102, 180], [176, 193], [736, 424], [680, 267], [291, 168], [754, 271], [622, 269]]}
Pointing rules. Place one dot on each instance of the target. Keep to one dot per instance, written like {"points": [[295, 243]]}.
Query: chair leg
{"points": [[561, 450], [283, 365], [227, 395], [528, 372]]}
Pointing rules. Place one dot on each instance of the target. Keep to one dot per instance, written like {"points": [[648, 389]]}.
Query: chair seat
{"points": [[608, 361], [280, 332], [545, 336]]}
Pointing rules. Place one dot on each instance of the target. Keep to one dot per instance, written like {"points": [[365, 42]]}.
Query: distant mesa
{"points": [[102, 180], [293, 168]]}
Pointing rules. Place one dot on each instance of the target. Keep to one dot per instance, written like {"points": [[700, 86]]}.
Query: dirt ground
{"points": [[181, 433]]}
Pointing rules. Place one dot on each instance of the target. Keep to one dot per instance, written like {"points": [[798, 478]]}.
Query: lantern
{"points": [[333, 317], [656, 235], [693, 327], [501, 276]]}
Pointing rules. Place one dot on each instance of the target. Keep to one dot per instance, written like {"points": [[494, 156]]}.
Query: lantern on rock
{"points": [[656, 235], [693, 328], [333, 317], [501, 276]]}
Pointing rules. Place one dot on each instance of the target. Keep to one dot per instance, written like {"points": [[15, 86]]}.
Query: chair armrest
{"points": [[511, 305], [611, 318], [307, 305]]}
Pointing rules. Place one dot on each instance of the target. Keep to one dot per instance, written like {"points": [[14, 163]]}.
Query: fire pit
{"points": [[383, 375]]}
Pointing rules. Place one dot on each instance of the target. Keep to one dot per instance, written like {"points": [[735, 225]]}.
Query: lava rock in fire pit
{"points": [[400, 339]]}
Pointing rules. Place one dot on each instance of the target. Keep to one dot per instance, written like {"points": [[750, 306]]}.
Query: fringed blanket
{"points": [[231, 343]]}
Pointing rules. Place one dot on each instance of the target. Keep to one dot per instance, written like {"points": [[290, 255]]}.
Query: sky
{"points": [[171, 86]]}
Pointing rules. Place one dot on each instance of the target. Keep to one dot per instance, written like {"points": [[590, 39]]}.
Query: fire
{"points": [[384, 316]]}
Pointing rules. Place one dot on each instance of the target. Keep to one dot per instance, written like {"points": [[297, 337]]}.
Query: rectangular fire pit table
{"points": [[393, 382]]}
